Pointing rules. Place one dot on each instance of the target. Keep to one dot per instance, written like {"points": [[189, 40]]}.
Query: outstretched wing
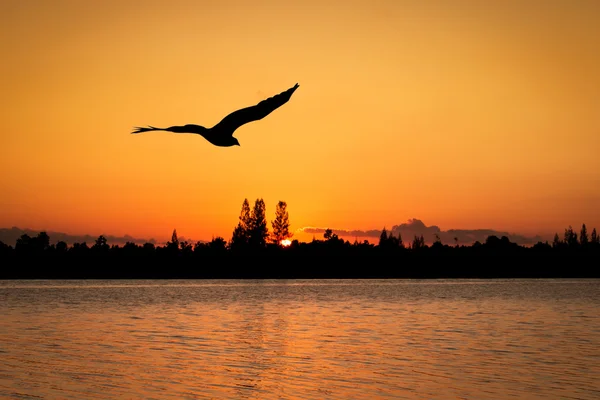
{"points": [[253, 113], [138, 129]]}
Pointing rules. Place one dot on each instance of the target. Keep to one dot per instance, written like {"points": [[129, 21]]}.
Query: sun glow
{"points": [[286, 242]]}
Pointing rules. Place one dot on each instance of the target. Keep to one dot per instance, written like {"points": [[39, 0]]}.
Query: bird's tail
{"points": [[138, 129]]}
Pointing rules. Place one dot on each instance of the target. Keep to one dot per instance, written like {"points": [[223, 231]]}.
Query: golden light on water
{"points": [[286, 242]]}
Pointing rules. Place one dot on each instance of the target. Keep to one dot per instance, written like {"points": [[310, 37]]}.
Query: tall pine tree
{"points": [[241, 233], [259, 232], [583, 236], [281, 224]]}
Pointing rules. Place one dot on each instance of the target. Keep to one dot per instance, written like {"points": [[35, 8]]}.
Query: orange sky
{"points": [[464, 114]]}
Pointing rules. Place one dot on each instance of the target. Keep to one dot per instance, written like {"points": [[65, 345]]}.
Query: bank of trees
{"points": [[254, 250]]}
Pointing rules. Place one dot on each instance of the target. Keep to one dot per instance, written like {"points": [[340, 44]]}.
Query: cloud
{"points": [[10, 236], [415, 227]]}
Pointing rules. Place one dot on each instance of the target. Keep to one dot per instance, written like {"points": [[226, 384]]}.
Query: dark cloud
{"points": [[10, 235], [415, 227]]}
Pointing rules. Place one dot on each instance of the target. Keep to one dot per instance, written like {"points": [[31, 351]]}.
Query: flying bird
{"points": [[222, 133]]}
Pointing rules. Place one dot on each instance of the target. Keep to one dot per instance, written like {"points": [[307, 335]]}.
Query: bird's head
{"points": [[235, 142]]}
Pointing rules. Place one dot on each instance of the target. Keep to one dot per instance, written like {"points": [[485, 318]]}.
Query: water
{"points": [[355, 339]]}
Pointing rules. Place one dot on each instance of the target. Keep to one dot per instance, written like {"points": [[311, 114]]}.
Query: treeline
{"points": [[255, 252]]}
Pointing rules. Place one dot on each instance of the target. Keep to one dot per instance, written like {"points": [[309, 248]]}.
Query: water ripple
{"points": [[300, 339]]}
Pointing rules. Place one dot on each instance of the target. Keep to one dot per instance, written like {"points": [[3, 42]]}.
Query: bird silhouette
{"points": [[222, 133]]}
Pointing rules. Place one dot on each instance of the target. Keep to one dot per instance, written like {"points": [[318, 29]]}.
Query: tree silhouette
{"points": [[62, 247], [259, 232], [418, 242], [42, 241], [571, 237], [393, 241], [33, 245], [22, 245], [498, 257], [101, 244], [281, 224], [186, 247], [218, 245], [556, 243], [241, 233], [389, 241], [79, 248], [583, 236], [331, 237], [149, 247], [383, 237], [5, 250], [173, 245]]}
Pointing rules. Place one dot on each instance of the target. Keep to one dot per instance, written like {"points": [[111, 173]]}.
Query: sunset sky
{"points": [[462, 114]]}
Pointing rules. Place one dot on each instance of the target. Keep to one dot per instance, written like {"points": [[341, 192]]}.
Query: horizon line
{"points": [[406, 230]]}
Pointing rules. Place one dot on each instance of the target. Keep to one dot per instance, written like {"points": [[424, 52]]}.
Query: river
{"points": [[300, 339]]}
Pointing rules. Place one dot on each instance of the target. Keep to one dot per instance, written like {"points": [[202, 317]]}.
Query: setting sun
{"points": [[435, 162], [406, 111]]}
